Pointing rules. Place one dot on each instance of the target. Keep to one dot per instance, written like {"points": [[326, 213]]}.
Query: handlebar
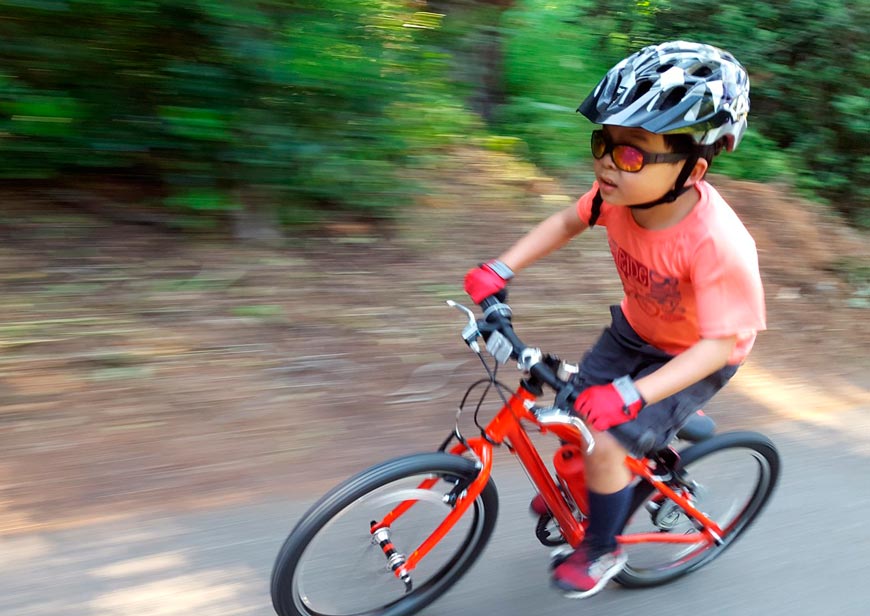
{"points": [[497, 318]]}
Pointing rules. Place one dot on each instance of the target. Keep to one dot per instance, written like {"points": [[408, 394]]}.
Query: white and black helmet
{"points": [[675, 87]]}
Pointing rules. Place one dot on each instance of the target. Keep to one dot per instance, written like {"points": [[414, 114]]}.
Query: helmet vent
{"points": [[642, 88], [674, 97]]}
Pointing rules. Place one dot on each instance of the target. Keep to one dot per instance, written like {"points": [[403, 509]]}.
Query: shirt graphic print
{"points": [[696, 279]]}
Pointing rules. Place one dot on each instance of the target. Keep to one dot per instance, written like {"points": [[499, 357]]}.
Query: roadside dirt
{"points": [[142, 371]]}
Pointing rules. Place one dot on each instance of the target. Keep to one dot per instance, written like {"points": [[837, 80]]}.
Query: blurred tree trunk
{"points": [[481, 62], [489, 93], [257, 222]]}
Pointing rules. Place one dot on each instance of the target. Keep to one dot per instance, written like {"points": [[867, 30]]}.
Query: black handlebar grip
{"points": [[502, 314], [492, 300], [566, 395], [487, 302]]}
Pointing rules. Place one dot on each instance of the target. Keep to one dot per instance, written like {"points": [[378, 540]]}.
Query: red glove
{"points": [[605, 406], [487, 279]]}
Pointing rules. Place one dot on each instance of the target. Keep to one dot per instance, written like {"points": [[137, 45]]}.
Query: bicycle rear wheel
{"points": [[329, 565], [733, 476]]}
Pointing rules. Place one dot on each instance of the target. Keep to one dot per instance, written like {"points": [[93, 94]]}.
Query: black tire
{"points": [[725, 459], [381, 487]]}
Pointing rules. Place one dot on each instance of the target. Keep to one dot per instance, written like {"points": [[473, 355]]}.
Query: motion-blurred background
{"points": [[229, 227]]}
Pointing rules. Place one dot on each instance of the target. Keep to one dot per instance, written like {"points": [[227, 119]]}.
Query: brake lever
{"points": [[470, 333]]}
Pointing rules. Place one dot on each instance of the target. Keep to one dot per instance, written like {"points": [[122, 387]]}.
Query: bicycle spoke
{"points": [[342, 571], [730, 480]]}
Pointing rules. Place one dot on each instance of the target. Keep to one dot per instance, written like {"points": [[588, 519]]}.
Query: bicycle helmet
{"points": [[675, 87]]}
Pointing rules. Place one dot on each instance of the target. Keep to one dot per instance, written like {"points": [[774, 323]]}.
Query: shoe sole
{"points": [[608, 575]]}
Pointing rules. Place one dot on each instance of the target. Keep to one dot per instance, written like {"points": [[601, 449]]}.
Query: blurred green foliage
{"points": [[552, 60], [311, 105], [302, 107], [557, 53]]}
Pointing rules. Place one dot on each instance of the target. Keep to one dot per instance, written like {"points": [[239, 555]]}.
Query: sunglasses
{"points": [[627, 157]]}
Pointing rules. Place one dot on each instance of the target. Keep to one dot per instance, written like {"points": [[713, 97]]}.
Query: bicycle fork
{"points": [[458, 499], [381, 532], [395, 560]]}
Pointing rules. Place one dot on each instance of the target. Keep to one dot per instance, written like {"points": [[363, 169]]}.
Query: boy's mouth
{"points": [[605, 183]]}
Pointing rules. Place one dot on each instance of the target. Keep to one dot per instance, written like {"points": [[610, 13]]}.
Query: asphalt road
{"points": [[808, 554]]}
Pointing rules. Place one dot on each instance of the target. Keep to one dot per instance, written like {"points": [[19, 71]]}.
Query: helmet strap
{"points": [[679, 185]]}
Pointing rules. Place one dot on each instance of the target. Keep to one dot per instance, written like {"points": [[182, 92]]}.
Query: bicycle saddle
{"points": [[698, 427]]}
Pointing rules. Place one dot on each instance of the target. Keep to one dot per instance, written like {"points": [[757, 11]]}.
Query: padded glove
{"points": [[605, 406], [487, 279]]}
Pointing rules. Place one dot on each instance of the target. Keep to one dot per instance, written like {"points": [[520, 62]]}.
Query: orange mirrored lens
{"points": [[628, 158], [598, 144], [625, 157]]}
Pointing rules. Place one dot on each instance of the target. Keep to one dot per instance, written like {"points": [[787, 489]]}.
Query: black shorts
{"points": [[620, 351]]}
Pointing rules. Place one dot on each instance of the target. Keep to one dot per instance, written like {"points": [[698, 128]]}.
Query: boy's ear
{"points": [[698, 171]]}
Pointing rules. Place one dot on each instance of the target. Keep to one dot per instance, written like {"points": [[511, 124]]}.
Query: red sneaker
{"points": [[579, 576]]}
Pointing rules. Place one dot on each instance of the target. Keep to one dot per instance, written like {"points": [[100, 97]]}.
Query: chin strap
{"points": [[669, 197], [678, 189]]}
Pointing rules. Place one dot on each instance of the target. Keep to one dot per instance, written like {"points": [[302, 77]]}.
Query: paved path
{"points": [[809, 554]]}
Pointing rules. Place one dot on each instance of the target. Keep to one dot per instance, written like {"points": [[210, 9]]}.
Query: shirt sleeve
{"points": [[728, 290]]}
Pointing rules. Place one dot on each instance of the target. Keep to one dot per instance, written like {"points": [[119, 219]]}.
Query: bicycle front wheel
{"points": [[329, 565], [732, 476]]}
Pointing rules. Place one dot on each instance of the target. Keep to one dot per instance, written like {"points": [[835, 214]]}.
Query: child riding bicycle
{"points": [[693, 300]]}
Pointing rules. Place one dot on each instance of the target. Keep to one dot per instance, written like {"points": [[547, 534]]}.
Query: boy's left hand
{"points": [[605, 406]]}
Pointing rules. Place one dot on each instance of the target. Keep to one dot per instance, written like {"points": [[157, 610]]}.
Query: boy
{"points": [[693, 300]]}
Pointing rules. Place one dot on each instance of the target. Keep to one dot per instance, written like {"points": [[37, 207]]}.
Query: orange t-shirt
{"points": [[696, 279]]}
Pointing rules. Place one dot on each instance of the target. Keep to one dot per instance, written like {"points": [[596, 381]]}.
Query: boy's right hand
{"points": [[487, 279]]}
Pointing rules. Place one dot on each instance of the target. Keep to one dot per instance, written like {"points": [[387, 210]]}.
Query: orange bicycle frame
{"points": [[507, 427]]}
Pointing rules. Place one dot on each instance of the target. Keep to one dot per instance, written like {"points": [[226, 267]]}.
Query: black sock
{"points": [[607, 513]]}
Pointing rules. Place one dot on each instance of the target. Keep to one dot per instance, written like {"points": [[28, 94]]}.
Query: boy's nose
{"points": [[606, 161]]}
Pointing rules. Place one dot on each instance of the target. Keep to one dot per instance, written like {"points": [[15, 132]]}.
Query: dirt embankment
{"points": [[141, 371]]}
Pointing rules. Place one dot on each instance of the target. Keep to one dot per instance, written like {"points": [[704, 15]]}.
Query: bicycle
{"points": [[393, 538]]}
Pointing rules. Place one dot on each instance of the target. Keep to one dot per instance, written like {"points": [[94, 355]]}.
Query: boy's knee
{"points": [[606, 471], [607, 450]]}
